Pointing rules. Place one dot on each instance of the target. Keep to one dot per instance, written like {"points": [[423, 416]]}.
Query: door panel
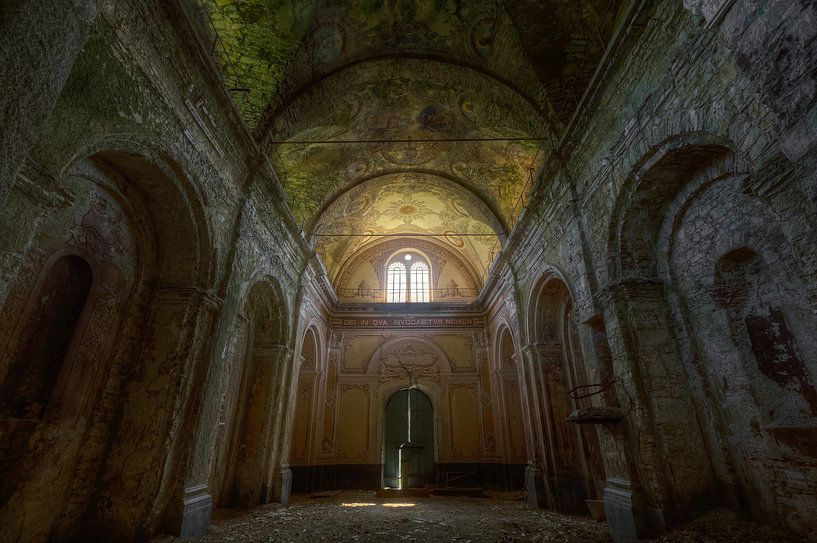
{"points": [[419, 461]]}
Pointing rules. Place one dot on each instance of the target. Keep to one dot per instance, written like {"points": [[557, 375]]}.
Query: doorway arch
{"points": [[408, 440]]}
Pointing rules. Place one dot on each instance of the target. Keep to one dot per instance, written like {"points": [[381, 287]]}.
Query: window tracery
{"points": [[410, 283]]}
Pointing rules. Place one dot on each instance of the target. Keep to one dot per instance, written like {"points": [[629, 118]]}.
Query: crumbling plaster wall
{"points": [[712, 88], [742, 81], [127, 94]]}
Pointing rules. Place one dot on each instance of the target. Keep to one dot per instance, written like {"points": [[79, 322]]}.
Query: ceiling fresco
{"points": [[386, 101], [444, 109], [407, 203]]}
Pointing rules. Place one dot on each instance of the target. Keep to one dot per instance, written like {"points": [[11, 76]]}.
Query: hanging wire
{"points": [[408, 234], [407, 140]]}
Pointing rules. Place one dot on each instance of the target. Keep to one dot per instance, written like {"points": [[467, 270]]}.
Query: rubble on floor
{"points": [[362, 517]]}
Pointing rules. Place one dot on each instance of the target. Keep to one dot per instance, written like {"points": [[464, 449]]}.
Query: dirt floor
{"points": [[362, 517]]}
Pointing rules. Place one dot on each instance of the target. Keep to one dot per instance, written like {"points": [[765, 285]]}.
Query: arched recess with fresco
{"points": [[507, 371], [573, 462], [250, 459], [732, 327], [306, 433], [122, 240]]}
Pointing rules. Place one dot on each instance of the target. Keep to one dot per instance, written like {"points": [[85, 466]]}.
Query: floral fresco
{"points": [[385, 117]]}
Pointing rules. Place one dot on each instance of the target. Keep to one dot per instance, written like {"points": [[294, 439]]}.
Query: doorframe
{"points": [[386, 394]]}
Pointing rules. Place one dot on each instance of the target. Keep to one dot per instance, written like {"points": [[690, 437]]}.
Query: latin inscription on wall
{"points": [[407, 322]]}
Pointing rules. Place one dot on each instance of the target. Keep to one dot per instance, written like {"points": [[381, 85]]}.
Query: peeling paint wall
{"points": [[672, 239]]}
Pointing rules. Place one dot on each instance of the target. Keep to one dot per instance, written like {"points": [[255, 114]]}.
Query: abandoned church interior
{"points": [[256, 252]]}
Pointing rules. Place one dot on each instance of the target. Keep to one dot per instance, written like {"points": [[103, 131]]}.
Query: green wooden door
{"points": [[418, 461]]}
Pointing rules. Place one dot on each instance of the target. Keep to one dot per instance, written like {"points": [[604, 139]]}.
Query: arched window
{"points": [[408, 284], [396, 283], [419, 282]]}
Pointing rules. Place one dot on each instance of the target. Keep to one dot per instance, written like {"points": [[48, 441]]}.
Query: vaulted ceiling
{"points": [[409, 117]]}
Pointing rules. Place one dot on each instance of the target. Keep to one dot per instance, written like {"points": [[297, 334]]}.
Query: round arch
{"points": [[139, 212], [409, 438], [502, 330], [657, 177], [378, 251], [488, 208], [276, 110], [252, 453], [319, 337], [439, 354], [162, 185], [532, 315]]}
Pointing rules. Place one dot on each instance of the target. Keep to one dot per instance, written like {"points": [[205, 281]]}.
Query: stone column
{"points": [[279, 481], [197, 501], [152, 449], [623, 500], [539, 493], [39, 42], [660, 424]]}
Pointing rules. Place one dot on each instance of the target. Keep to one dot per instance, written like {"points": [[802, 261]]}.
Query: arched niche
{"points": [[644, 201], [304, 429], [253, 425], [733, 311], [175, 274], [130, 216], [507, 367], [573, 461], [43, 348], [29, 382], [655, 356]]}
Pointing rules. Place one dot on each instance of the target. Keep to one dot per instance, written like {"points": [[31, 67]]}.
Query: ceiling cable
{"points": [[404, 235], [430, 140]]}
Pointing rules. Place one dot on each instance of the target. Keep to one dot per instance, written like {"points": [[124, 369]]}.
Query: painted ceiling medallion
{"points": [[357, 168], [460, 207], [408, 154], [468, 109], [455, 240], [358, 204], [407, 209]]}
